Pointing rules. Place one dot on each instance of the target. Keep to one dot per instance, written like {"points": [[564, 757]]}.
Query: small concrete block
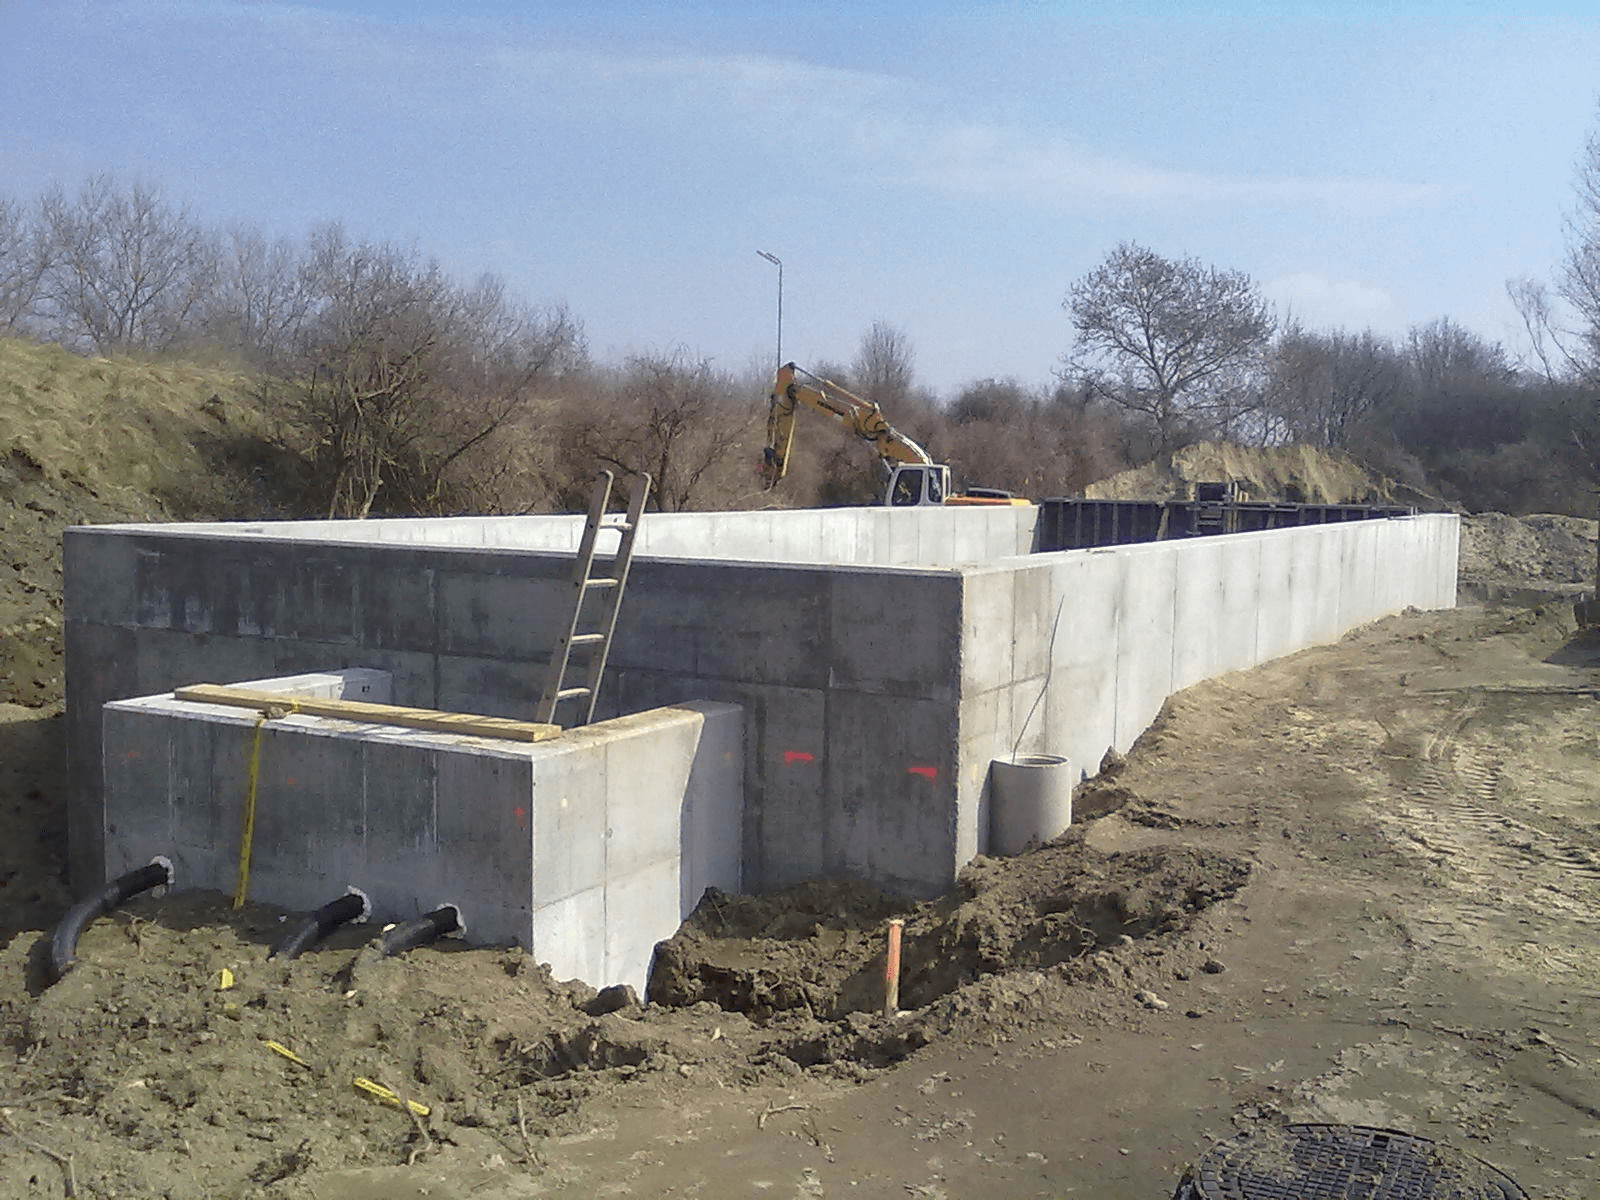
{"points": [[350, 683]]}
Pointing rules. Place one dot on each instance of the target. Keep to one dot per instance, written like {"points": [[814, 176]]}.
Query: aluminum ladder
{"points": [[594, 642]]}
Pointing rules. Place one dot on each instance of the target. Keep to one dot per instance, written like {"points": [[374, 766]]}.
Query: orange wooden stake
{"points": [[891, 970]]}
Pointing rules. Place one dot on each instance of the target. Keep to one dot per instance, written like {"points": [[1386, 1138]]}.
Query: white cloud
{"points": [[863, 127], [973, 157], [1323, 303]]}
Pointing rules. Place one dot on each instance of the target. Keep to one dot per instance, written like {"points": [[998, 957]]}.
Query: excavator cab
{"points": [[913, 484]]}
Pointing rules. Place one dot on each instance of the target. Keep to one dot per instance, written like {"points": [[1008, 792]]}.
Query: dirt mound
{"points": [[1525, 552], [166, 1080], [767, 954], [87, 441], [1289, 474], [163, 1081]]}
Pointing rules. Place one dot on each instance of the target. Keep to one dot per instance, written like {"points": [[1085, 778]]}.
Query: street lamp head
{"points": [[771, 258]]}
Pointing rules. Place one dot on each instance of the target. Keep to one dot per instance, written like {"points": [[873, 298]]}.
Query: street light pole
{"points": [[777, 262]]}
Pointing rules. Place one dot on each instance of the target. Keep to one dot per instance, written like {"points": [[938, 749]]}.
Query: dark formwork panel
{"points": [[1072, 524]]}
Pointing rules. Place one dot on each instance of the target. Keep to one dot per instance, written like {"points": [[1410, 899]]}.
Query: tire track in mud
{"points": [[1513, 878]]}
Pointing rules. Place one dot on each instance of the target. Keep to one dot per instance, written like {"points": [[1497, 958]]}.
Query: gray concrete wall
{"points": [[587, 850], [1139, 623], [819, 656], [875, 696]]}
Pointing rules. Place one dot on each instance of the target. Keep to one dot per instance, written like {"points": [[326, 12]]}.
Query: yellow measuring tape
{"points": [[248, 833]]}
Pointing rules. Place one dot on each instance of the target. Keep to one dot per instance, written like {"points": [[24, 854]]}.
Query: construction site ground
{"points": [[1359, 884]]}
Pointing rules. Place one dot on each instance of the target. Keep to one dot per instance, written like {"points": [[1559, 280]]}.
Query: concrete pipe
{"points": [[1030, 800]]}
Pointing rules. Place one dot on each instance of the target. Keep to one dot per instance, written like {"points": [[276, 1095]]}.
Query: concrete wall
{"points": [[588, 849], [1138, 623], [817, 655], [875, 696], [865, 536]]}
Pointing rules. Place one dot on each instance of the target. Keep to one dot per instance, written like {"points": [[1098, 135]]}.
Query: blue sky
{"points": [[947, 168]]}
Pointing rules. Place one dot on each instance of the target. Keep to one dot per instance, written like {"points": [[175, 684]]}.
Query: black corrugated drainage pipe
{"points": [[446, 919], [64, 942], [352, 906]]}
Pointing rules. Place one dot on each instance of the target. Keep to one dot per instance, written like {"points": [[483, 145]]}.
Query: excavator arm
{"points": [[861, 417]]}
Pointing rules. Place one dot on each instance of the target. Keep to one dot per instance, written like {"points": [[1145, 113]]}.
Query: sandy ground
{"points": [[1360, 884]]}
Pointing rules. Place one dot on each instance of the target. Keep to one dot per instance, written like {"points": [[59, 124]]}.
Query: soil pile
{"points": [[1543, 551], [1289, 474], [178, 1057], [87, 441]]}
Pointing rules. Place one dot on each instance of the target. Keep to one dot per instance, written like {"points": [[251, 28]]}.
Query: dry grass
{"points": [[139, 434]]}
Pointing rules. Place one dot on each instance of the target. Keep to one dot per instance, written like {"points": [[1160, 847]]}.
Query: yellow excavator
{"points": [[913, 477]]}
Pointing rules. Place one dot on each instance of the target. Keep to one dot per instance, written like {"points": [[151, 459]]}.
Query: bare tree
{"points": [[1322, 386], [1443, 354], [404, 376], [1174, 341], [22, 264], [1003, 435], [883, 368], [126, 269], [1579, 280], [673, 416], [262, 295], [1563, 324]]}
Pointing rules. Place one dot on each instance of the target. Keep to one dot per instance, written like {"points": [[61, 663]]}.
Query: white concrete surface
{"points": [[1138, 623], [870, 536]]}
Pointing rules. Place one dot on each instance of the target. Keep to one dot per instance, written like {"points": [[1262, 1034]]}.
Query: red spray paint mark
{"points": [[794, 756], [521, 815], [931, 774]]}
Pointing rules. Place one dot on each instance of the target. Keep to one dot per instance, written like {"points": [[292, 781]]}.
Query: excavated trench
{"points": [[818, 950]]}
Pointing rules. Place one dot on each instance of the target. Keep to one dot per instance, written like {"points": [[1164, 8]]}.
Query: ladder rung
{"points": [[570, 693], [585, 639], [599, 583]]}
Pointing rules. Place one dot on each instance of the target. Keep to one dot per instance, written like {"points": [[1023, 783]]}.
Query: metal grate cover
{"points": [[1341, 1162]]}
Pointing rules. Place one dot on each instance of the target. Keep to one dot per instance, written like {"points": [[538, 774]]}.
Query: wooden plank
{"points": [[281, 704]]}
